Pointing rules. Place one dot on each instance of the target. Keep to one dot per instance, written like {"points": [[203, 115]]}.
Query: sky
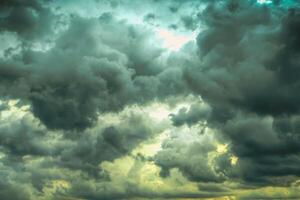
{"points": [[149, 99]]}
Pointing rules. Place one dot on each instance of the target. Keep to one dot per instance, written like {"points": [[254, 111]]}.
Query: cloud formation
{"points": [[94, 105]]}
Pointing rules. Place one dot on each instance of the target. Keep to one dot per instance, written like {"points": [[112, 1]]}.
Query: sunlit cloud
{"points": [[264, 1], [173, 41]]}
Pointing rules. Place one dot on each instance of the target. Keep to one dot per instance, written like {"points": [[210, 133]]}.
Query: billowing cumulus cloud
{"points": [[197, 165], [29, 19], [73, 81], [245, 84], [149, 99]]}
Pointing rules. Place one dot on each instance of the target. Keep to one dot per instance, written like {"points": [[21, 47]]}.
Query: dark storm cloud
{"points": [[189, 22], [248, 137], [13, 191], [77, 79], [20, 138], [196, 113], [245, 69], [13, 79], [237, 81], [234, 73], [227, 71], [29, 19], [248, 71], [69, 84], [263, 153]]}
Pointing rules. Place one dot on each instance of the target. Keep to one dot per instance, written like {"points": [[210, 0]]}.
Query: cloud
{"points": [[107, 144], [192, 156], [197, 112], [244, 88], [30, 19], [86, 90], [13, 191], [251, 97], [71, 83]]}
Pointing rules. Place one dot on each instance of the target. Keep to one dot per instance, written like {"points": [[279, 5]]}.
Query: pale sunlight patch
{"points": [[2, 155], [173, 41], [151, 148], [55, 186], [158, 111], [222, 148], [13, 109], [233, 160], [264, 1]]}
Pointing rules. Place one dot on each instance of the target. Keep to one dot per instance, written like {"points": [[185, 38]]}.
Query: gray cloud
{"points": [[70, 83], [72, 67], [21, 139], [196, 112], [244, 84], [106, 144], [190, 157], [29, 19]]}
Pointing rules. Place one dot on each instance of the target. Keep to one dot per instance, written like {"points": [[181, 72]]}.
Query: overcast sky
{"points": [[149, 99]]}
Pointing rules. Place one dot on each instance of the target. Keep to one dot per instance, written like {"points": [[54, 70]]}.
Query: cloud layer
{"points": [[95, 105]]}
